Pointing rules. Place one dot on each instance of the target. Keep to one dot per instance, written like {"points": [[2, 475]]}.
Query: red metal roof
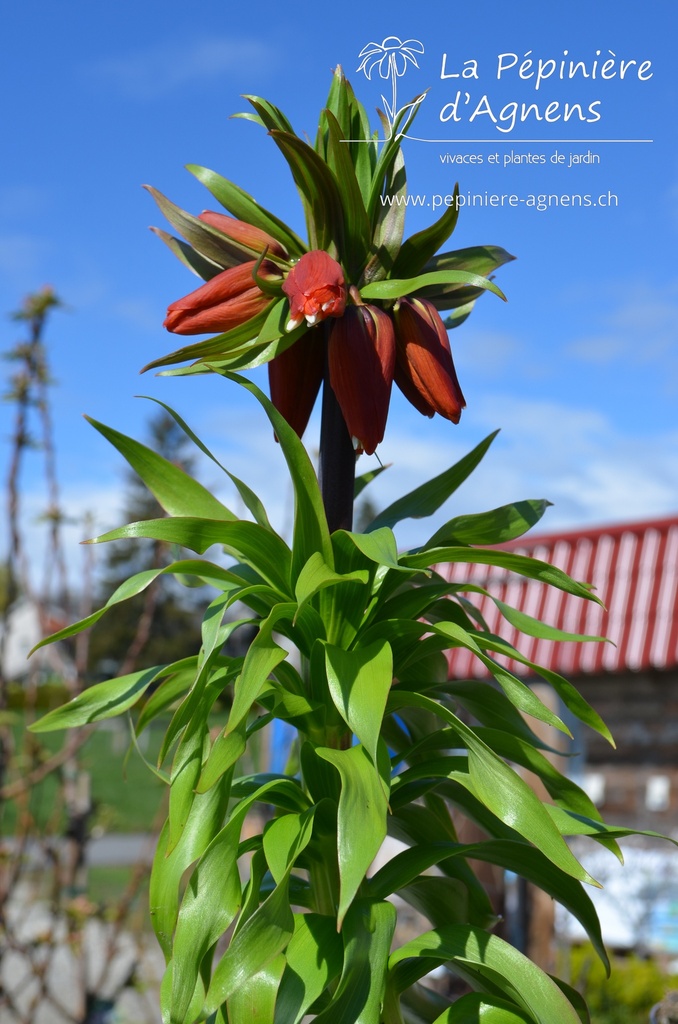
{"points": [[634, 569]]}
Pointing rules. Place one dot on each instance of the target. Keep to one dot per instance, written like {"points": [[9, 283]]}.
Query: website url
{"points": [[538, 201]]}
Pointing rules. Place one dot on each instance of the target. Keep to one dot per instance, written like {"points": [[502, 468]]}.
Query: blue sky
{"points": [[579, 368]]}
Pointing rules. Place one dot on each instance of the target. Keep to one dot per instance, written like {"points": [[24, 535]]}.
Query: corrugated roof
{"points": [[634, 569]]}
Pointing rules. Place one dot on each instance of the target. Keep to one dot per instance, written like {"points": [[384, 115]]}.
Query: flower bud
{"points": [[244, 233], [361, 356], [424, 369], [226, 301]]}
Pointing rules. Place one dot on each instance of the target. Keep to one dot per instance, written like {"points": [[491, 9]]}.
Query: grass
{"points": [[125, 795]]}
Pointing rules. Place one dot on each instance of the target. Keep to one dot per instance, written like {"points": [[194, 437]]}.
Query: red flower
{"points": [[294, 378], [361, 360], [241, 231], [367, 349], [424, 369], [316, 289], [361, 356], [226, 301]]}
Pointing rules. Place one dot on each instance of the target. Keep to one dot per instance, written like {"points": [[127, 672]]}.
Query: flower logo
{"points": [[391, 57]]}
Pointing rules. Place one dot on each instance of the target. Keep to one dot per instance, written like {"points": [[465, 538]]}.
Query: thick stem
{"points": [[337, 463], [337, 483]]}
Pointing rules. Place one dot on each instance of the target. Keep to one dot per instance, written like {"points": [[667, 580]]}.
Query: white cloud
{"points": [[586, 465], [102, 504], [640, 323], [574, 457], [167, 66], [493, 352]]}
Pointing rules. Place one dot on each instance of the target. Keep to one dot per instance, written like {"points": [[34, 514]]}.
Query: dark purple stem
{"points": [[337, 463]]}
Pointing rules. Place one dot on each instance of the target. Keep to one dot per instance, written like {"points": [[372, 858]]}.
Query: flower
{"points": [[360, 352], [390, 56], [244, 233], [424, 369], [348, 312], [226, 301], [295, 376], [360, 361], [361, 356], [316, 289], [367, 349]]}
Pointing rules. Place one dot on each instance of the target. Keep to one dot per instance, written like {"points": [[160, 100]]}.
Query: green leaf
{"points": [[249, 498], [389, 223], [520, 695], [205, 570], [265, 551], [495, 527], [445, 901], [103, 700], [501, 790], [243, 206], [212, 897], [261, 939], [224, 753], [359, 683], [571, 824], [532, 568], [479, 259], [483, 1009], [215, 347], [169, 868], [207, 685], [560, 788], [367, 932], [525, 984], [270, 115], [491, 707], [389, 154], [189, 256], [420, 247], [208, 241], [363, 806], [255, 1001], [318, 187], [316, 576], [569, 694], [210, 904], [185, 774], [364, 479], [261, 659], [394, 288], [176, 492], [168, 692], [310, 524], [408, 866], [285, 839], [355, 126], [314, 958], [427, 499], [356, 224], [379, 546]]}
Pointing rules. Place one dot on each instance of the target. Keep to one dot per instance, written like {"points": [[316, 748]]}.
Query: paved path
{"points": [[119, 849]]}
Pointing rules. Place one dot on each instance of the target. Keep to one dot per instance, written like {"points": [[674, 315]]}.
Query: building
{"points": [[632, 682], [21, 628]]}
